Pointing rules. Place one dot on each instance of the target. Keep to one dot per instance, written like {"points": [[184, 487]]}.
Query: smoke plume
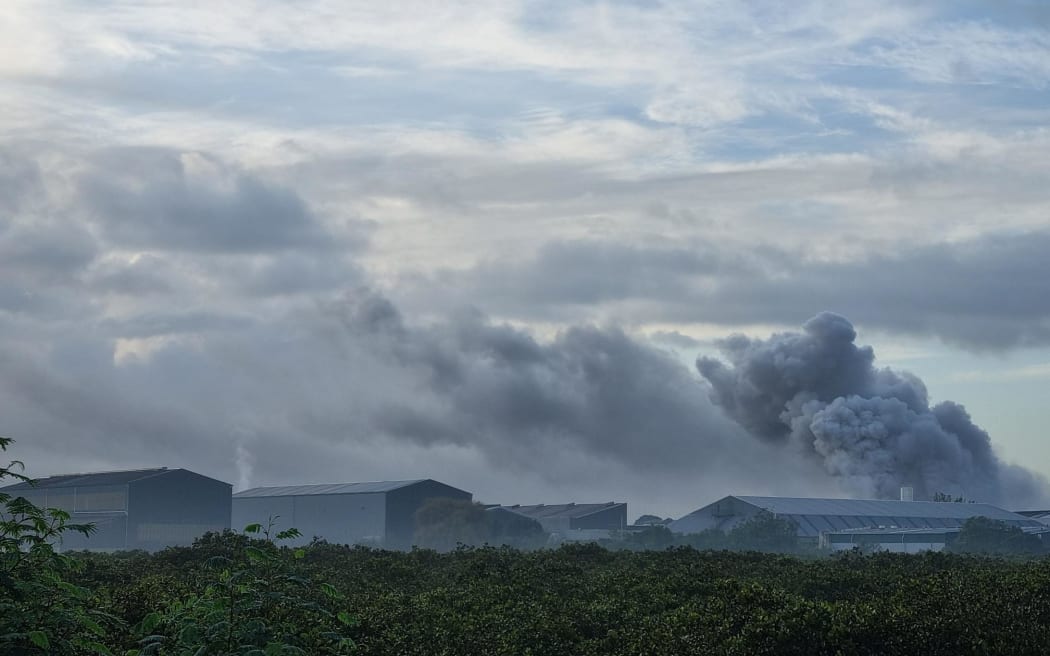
{"points": [[871, 428]]}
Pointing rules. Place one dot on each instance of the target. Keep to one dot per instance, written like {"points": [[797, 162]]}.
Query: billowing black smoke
{"points": [[871, 428], [496, 387]]}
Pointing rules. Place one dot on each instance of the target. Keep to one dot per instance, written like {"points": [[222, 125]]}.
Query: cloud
{"points": [[985, 293], [872, 428], [675, 339], [298, 395], [154, 198], [186, 191]]}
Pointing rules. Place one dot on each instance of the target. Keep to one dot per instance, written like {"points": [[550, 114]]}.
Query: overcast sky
{"points": [[312, 241]]}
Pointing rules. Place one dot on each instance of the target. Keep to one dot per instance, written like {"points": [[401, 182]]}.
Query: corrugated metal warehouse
{"points": [[379, 514], [817, 516], [140, 509], [1041, 516], [568, 517]]}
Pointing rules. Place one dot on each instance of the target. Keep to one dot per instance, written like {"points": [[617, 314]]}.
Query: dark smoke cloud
{"points": [[872, 428], [589, 388], [178, 310]]}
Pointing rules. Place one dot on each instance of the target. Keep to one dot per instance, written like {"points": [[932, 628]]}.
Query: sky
{"points": [[485, 242]]}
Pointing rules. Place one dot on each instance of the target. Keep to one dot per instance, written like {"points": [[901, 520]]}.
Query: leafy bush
{"points": [[40, 610], [444, 524], [243, 594], [990, 536], [253, 602]]}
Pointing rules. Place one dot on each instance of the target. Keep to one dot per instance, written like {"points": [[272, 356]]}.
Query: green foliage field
{"points": [[588, 600], [242, 593]]}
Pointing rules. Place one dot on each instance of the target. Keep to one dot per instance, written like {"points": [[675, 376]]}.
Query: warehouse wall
{"points": [[612, 518], [724, 515], [337, 518], [175, 508], [403, 503], [111, 533], [103, 506]]}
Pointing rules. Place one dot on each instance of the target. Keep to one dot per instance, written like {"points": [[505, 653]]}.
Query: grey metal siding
{"points": [[613, 518], [175, 508], [260, 510], [402, 504], [343, 518], [111, 533], [110, 526], [337, 518]]}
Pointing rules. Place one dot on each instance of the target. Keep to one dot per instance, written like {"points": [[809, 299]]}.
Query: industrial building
{"points": [[815, 517], [380, 514], [903, 540], [570, 521], [140, 509], [1041, 516]]}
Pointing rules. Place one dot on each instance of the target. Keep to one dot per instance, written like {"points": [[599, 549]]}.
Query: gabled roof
{"points": [[85, 480], [561, 511], [816, 516], [878, 508], [332, 488]]}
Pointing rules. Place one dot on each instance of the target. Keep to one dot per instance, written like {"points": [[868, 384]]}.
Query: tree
{"points": [[652, 537], [651, 520], [41, 612], [710, 539], [514, 530], [255, 602], [991, 536], [443, 524], [765, 532]]}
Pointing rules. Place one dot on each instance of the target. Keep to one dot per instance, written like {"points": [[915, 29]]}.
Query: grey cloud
{"points": [[358, 375], [163, 199], [41, 261], [159, 227], [47, 249], [145, 275], [675, 339], [872, 428], [297, 273], [992, 292], [821, 363], [989, 293], [592, 388], [20, 180], [353, 375], [172, 323], [587, 272]]}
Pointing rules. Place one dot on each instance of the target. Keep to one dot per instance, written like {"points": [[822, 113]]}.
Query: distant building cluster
{"points": [[151, 509], [838, 524]]}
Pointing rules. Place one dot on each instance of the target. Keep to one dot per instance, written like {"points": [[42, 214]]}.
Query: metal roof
{"points": [[816, 516], [897, 531], [85, 480], [560, 511], [879, 508], [331, 488], [1031, 530]]}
